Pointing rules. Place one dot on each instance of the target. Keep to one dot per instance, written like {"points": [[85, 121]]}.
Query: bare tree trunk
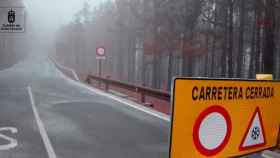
{"points": [[241, 38], [143, 70], [225, 44], [252, 67], [230, 48], [206, 57], [120, 52], [213, 49], [259, 44], [269, 44], [131, 61], [156, 53], [156, 72], [187, 64], [190, 26], [170, 70]]}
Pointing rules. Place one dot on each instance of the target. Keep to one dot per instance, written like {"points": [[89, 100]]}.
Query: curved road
{"points": [[46, 115]]}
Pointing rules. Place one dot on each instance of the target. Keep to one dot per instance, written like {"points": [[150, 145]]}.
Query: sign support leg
{"points": [[99, 72]]}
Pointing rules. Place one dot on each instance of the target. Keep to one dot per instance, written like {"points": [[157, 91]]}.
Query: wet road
{"points": [[44, 114]]}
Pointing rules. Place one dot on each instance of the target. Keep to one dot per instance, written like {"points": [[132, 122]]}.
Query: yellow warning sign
{"points": [[223, 118]]}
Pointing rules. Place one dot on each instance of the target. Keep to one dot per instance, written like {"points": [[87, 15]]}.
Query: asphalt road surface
{"points": [[47, 115]]}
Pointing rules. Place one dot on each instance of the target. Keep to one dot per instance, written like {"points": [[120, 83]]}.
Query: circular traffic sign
{"points": [[212, 130], [100, 51]]}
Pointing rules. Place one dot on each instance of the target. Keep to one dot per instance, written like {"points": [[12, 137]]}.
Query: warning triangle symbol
{"points": [[255, 134]]}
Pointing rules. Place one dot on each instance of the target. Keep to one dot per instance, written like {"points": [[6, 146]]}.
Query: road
{"points": [[44, 114]]}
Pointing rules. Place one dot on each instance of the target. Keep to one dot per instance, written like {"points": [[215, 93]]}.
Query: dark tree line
{"points": [[150, 41]]}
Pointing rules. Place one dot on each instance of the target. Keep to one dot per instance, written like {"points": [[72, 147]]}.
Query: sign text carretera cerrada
{"points": [[231, 93]]}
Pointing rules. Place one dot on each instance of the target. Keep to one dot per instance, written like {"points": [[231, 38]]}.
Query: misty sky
{"points": [[55, 12], [47, 16]]}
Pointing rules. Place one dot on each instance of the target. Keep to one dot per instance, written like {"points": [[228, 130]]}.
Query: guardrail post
{"points": [[107, 84], [142, 97], [99, 84], [88, 80], [142, 93]]}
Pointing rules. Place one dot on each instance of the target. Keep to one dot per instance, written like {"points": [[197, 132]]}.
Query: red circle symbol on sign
{"points": [[212, 130], [100, 51]]}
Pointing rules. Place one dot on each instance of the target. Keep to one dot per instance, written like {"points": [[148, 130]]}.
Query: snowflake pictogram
{"points": [[255, 134]]}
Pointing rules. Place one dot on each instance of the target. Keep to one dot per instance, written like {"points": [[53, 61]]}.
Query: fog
{"points": [[44, 18]]}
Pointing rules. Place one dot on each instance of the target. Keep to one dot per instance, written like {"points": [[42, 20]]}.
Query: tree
{"points": [[269, 37], [162, 39], [241, 37]]}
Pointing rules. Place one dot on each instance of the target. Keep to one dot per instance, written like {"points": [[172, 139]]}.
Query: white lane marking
{"points": [[75, 75], [135, 106], [125, 102], [66, 68], [12, 142], [42, 129]]}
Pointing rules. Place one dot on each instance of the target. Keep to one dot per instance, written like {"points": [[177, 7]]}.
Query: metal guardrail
{"points": [[142, 90]]}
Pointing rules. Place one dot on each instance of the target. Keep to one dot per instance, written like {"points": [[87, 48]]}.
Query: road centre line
{"points": [[42, 130]]}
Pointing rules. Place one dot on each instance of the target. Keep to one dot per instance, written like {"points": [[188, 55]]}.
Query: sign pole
{"points": [[99, 71], [100, 55]]}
